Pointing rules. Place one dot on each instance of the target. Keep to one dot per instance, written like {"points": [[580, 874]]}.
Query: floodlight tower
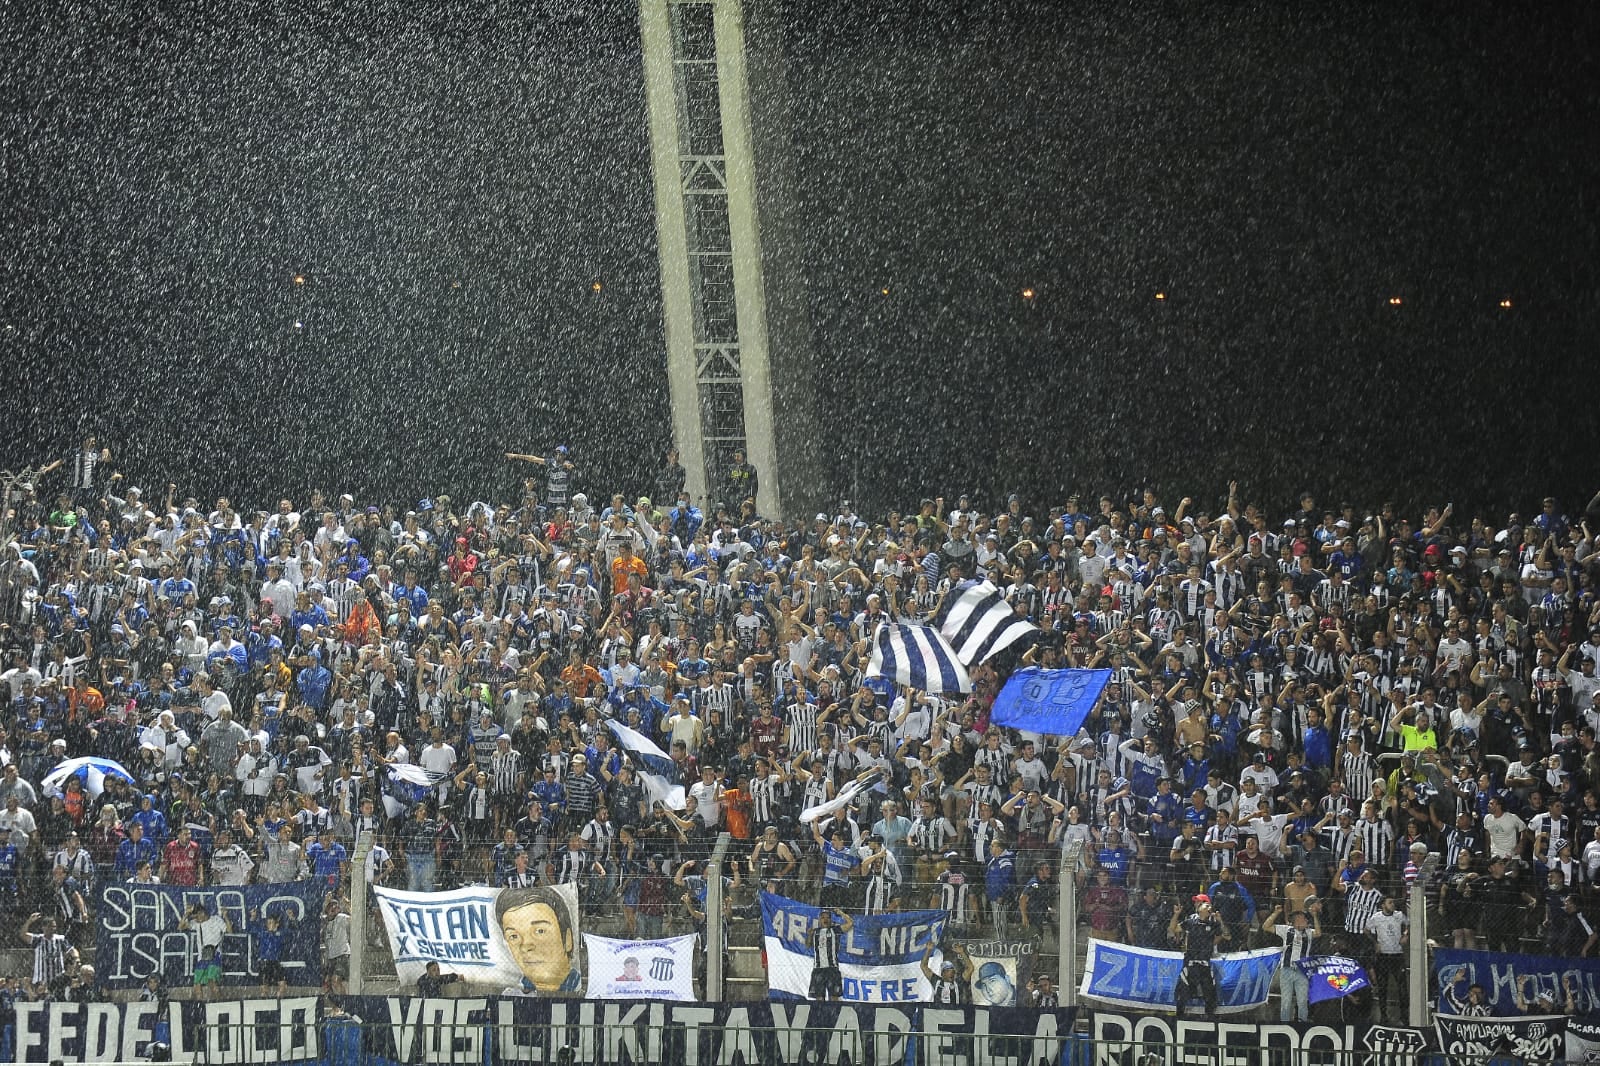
{"points": [[738, 348]]}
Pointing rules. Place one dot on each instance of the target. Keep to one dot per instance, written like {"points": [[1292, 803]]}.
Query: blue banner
{"points": [[139, 931], [1054, 702], [531, 1031], [1502, 974], [1332, 977], [1126, 976], [880, 956]]}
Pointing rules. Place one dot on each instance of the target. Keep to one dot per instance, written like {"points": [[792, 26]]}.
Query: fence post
{"points": [[358, 914], [715, 934], [1417, 963], [1067, 913]]}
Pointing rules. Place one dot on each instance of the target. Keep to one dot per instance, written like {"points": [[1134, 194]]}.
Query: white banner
{"points": [[641, 969], [517, 941]]}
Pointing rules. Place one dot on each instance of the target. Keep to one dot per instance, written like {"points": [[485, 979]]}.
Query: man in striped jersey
{"points": [[931, 835], [506, 782], [52, 955], [1361, 902]]}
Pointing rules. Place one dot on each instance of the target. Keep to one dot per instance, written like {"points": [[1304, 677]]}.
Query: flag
{"points": [[1054, 702], [917, 656], [412, 774], [1332, 976], [641, 969], [839, 801], [409, 783], [979, 622], [657, 772]]}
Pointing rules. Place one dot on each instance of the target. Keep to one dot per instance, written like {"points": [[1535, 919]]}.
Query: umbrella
{"points": [[92, 770]]}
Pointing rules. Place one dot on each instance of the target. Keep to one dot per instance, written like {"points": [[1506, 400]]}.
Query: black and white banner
{"points": [[1162, 1040], [529, 1031], [1537, 1039]]}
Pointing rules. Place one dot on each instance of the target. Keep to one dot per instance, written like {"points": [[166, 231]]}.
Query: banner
{"points": [[1332, 977], [137, 932], [524, 1031], [1003, 970], [1501, 974], [880, 957], [641, 969], [1157, 1040], [521, 941], [1125, 976], [1052, 702], [1536, 1039], [1583, 1040]]}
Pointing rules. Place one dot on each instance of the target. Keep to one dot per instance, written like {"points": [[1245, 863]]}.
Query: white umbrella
{"points": [[91, 769]]}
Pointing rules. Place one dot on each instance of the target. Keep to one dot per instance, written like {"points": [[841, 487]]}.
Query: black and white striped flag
{"points": [[916, 656], [979, 622]]}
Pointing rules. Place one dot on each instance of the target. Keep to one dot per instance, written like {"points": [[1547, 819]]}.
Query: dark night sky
{"points": [[450, 183]]}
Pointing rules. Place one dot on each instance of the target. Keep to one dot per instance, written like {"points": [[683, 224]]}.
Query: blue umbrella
{"points": [[91, 770]]}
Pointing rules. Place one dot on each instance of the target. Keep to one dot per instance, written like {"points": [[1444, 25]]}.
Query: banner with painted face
{"points": [[641, 969], [1533, 1039], [519, 941], [880, 956], [139, 932], [525, 1031], [1001, 970], [1121, 975]]}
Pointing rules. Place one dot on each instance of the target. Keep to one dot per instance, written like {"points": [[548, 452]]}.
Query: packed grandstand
{"points": [[200, 693]]}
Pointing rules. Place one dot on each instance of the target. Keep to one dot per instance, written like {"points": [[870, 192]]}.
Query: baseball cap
{"points": [[1201, 897]]}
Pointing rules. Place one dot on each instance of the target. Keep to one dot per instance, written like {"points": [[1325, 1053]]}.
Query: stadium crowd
{"points": [[1298, 701]]}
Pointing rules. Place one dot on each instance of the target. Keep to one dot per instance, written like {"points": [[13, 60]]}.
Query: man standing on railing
{"points": [[1198, 933], [827, 982]]}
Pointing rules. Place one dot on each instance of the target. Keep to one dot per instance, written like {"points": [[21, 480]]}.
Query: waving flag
{"points": [[841, 800], [657, 772], [1053, 702], [917, 656], [412, 774], [408, 784], [979, 623]]}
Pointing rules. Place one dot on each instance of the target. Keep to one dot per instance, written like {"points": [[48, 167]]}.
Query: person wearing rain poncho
{"points": [[165, 736]]}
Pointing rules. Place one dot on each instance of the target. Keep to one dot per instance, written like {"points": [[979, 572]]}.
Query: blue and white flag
{"points": [[1049, 701], [840, 801], [657, 772], [979, 623], [880, 956], [1332, 977], [1121, 975], [918, 657]]}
